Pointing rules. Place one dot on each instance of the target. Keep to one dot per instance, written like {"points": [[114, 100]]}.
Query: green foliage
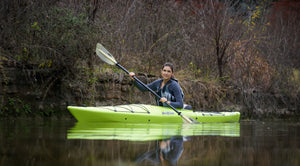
{"points": [[55, 37], [63, 22], [26, 109], [16, 107], [47, 112], [46, 64], [35, 26], [64, 30], [195, 71], [203, 75], [110, 68]]}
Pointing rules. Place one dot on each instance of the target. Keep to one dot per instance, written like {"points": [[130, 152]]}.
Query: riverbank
{"points": [[28, 93]]}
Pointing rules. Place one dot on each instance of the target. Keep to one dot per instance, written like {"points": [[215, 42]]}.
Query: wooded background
{"points": [[245, 45]]}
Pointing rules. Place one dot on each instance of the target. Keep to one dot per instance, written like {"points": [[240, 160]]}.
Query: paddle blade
{"points": [[189, 119], [105, 55]]}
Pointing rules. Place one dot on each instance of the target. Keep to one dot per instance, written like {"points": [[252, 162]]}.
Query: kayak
{"points": [[141, 113], [149, 131]]}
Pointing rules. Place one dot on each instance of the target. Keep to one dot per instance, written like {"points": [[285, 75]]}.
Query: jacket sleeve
{"points": [[175, 88]]}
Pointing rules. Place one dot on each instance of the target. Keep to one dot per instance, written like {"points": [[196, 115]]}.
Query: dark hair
{"points": [[170, 65]]}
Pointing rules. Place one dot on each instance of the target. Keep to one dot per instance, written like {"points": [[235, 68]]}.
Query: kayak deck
{"points": [[146, 114]]}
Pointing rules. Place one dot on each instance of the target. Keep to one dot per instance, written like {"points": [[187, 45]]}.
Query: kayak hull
{"points": [[140, 113]]}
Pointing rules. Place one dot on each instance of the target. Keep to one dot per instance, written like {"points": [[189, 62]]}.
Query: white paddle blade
{"points": [[105, 55], [189, 119]]}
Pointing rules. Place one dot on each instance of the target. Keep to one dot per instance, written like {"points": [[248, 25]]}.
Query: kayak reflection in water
{"points": [[166, 152]]}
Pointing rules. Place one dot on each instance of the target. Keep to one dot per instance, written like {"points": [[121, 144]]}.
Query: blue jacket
{"points": [[171, 91]]}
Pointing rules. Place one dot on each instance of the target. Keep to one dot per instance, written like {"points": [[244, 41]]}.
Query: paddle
{"points": [[108, 58]]}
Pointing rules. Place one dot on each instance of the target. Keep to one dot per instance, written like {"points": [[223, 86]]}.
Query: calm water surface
{"points": [[66, 142]]}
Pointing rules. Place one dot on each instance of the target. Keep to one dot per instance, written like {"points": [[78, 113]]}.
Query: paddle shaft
{"points": [[144, 85]]}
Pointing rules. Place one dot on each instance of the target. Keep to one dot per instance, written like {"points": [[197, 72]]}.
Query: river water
{"points": [[67, 142]]}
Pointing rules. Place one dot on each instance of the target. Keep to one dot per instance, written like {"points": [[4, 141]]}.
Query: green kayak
{"points": [[141, 113]]}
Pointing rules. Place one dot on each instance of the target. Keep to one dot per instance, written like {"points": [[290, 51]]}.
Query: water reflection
{"points": [[166, 152], [65, 142], [147, 132], [169, 137]]}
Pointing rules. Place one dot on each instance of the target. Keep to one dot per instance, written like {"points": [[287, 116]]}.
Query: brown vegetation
{"points": [[227, 53]]}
